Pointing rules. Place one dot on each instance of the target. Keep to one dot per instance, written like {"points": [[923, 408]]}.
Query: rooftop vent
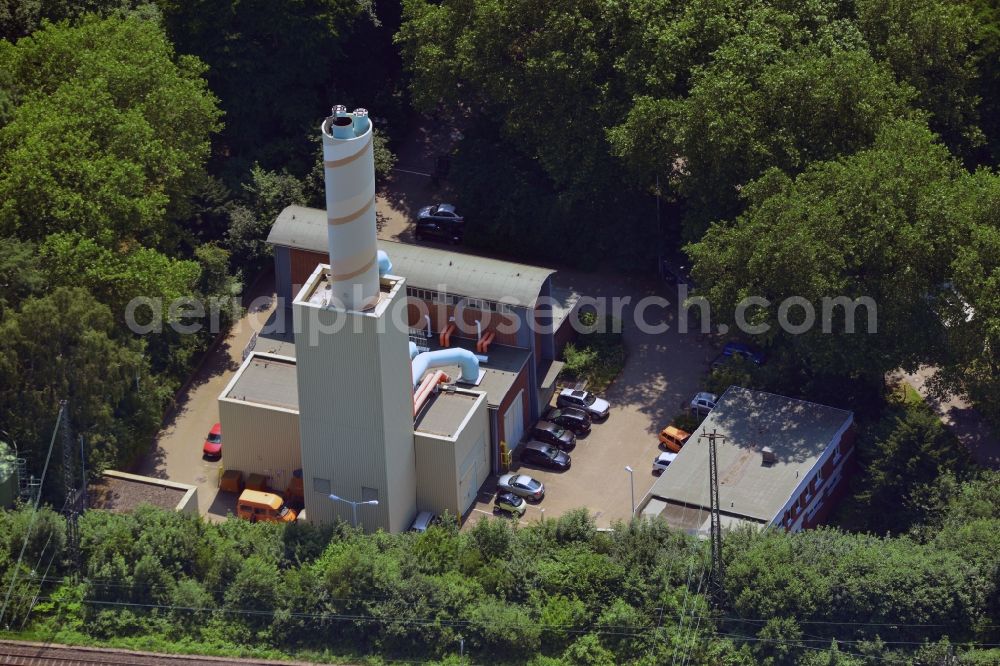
{"points": [[767, 456]]}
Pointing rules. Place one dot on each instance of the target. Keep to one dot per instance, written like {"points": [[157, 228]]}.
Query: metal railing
{"points": [[251, 344]]}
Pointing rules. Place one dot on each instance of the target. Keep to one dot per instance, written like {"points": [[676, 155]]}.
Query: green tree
{"points": [[62, 345], [265, 195], [20, 274], [902, 458], [301, 56], [930, 44], [19, 18], [971, 307], [783, 107], [108, 134], [115, 277], [881, 224]]}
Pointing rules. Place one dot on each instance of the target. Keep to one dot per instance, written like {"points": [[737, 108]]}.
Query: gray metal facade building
{"points": [[355, 408]]}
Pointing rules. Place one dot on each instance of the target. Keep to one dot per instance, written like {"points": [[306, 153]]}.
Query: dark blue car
{"points": [[738, 350]]}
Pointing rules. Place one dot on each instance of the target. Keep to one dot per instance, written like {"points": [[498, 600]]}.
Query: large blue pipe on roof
{"points": [[463, 358]]}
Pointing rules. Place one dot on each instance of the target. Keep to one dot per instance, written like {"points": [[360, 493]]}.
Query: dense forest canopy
{"points": [[823, 148]]}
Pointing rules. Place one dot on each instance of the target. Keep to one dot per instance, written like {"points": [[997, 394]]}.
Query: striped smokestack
{"points": [[349, 174]]}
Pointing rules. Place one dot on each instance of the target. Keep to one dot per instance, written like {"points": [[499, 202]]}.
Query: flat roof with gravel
{"points": [[120, 495], [500, 371]]}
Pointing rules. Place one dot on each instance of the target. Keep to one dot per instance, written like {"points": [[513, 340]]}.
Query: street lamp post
{"points": [[354, 506], [631, 483]]}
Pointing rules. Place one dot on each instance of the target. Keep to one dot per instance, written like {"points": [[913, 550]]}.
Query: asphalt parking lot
{"points": [[662, 371]]}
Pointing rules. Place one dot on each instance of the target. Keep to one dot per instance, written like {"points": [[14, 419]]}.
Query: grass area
{"points": [[903, 393]]}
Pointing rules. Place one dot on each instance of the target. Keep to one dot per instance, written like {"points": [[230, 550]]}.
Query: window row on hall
{"points": [[442, 298]]}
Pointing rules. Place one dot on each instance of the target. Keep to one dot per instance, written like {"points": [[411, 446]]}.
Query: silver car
{"points": [[702, 403], [596, 407], [522, 485]]}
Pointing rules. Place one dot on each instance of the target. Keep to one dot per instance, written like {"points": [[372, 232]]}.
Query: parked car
{"points": [[440, 222], [674, 438], [423, 520], [545, 455], [570, 418], [550, 433], [522, 485], [510, 504], [674, 270], [596, 407], [212, 447], [662, 461], [738, 350], [702, 403]]}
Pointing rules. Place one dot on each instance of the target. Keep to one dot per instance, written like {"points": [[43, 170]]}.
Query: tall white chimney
{"points": [[349, 173]]}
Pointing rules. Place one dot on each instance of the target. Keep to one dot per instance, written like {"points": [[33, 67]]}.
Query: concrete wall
{"points": [[441, 462], [260, 439], [355, 412]]}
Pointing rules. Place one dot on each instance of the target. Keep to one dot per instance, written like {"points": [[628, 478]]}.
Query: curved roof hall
{"points": [[304, 228]]}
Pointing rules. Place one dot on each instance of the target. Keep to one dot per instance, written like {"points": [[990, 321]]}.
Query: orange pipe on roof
{"points": [[427, 388], [445, 337], [484, 344]]}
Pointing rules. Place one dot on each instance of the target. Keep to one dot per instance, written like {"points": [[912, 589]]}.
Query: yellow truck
{"points": [[255, 505]]}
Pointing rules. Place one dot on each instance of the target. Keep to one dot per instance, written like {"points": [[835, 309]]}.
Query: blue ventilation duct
{"points": [[384, 265], [463, 358]]}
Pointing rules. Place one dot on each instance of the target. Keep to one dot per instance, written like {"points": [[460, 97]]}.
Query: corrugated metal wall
{"points": [[437, 474], [260, 440], [356, 416], [443, 464]]}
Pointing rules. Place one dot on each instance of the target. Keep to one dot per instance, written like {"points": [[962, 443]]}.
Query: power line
{"points": [[716, 584], [684, 613], [34, 511]]}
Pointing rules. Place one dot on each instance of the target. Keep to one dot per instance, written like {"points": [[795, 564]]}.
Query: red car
{"points": [[213, 443]]}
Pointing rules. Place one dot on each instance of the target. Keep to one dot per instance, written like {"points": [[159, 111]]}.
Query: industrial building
{"points": [[406, 371], [517, 306], [782, 463]]}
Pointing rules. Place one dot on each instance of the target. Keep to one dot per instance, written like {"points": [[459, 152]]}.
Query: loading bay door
{"points": [[475, 469], [513, 422]]}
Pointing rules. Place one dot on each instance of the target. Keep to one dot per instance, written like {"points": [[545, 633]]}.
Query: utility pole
{"points": [[716, 586], [74, 497]]}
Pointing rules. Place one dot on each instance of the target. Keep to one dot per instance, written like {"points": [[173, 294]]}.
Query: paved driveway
{"points": [[662, 370], [176, 453]]}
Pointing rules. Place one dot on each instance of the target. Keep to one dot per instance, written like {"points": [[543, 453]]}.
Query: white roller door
{"points": [[474, 471], [513, 422]]}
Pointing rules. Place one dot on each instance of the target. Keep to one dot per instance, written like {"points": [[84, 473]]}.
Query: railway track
{"points": [[19, 653]]}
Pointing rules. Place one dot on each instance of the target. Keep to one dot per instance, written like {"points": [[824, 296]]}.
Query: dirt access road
{"points": [[967, 424]]}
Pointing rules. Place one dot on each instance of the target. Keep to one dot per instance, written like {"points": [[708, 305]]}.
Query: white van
{"points": [[422, 521]]}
